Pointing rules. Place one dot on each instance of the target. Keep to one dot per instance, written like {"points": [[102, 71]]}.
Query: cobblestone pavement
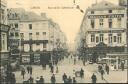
{"points": [[67, 67]]}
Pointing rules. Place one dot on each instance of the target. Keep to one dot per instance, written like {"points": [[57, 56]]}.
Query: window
{"points": [[92, 12], [37, 35], [22, 35], [92, 38], [101, 22], [4, 41], [110, 23], [110, 38], [16, 34], [16, 25], [114, 38], [30, 26], [2, 17], [119, 38], [44, 33], [11, 34], [30, 36], [11, 25], [44, 45], [109, 11], [92, 23], [101, 37], [97, 39], [119, 22]]}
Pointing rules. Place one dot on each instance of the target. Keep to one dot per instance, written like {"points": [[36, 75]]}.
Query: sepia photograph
{"points": [[63, 41]]}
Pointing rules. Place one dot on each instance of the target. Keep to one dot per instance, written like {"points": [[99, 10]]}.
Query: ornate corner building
{"points": [[104, 28], [4, 29]]}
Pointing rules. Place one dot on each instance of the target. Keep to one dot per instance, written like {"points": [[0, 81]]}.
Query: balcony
{"points": [[108, 30], [33, 41], [4, 28]]}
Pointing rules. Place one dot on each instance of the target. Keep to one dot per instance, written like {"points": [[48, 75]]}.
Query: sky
{"points": [[63, 12]]}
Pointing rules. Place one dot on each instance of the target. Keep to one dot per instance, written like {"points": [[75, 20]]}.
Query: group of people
{"points": [[29, 70], [68, 79], [9, 76], [102, 69]]}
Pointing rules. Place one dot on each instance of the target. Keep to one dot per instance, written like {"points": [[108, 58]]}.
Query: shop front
{"points": [[25, 58]]}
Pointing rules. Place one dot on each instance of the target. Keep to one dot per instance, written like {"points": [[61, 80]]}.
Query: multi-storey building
{"points": [[4, 29], [106, 23], [124, 3], [38, 37], [104, 29], [13, 21]]}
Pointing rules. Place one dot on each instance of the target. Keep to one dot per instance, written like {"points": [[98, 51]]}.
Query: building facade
{"points": [[38, 37], [4, 29], [106, 24], [103, 31], [14, 39]]}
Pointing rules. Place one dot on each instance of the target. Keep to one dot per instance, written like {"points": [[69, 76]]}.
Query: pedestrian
{"points": [[122, 66], [102, 73], [74, 73], [107, 68], [57, 69], [42, 67], [81, 73], [74, 61], [28, 69], [74, 80], [64, 77], [23, 72], [115, 68], [52, 69], [69, 80], [94, 79], [13, 79], [84, 61], [41, 81], [37, 80], [53, 79], [50, 64], [45, 66], [99, 67], [30, 80]]}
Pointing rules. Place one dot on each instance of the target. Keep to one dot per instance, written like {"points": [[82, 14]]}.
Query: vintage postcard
{"points": [[63, 41]]}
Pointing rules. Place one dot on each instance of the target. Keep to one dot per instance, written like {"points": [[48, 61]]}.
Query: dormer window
{"points": [[110, 11]]}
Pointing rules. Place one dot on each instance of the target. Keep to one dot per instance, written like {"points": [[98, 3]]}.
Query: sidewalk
{"points": [[117, 76]]}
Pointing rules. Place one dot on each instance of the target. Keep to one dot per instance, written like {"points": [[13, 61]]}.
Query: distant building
{"points": [[4, 29]]}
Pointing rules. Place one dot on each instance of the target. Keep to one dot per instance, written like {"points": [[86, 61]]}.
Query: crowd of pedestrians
{"points": [[102, 69]]}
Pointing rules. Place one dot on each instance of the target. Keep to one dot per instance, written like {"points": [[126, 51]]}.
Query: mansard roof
{"points": [[105, 5]]}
